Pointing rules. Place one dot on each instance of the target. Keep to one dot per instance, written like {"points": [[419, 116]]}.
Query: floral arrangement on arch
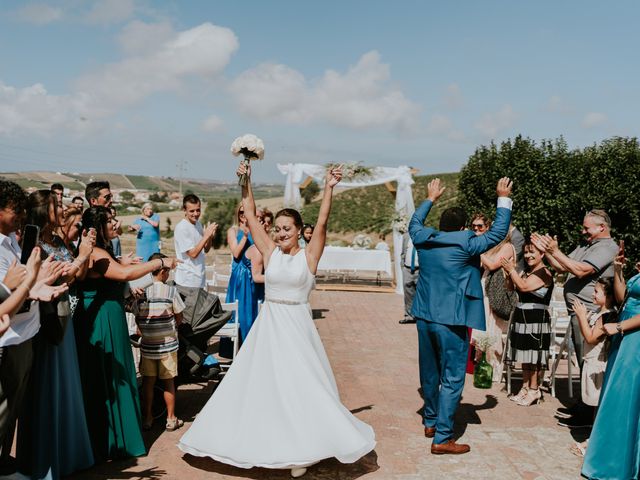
{"points": [[251, 147], [361, 242], [400, 222], [352, 171]]}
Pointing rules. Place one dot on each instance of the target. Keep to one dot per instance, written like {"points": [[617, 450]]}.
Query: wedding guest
{"points": [[496, 326], [191, 242], [53, 416], [267, 220], [116, 245], [382, 244], [158, 315], [307, 232], [78, 202], [530, 334], [69, 230], [99, 194], [147, 227], [16, 342], [585, 265], [410, 274], [480, 223], [241, 284], [58, 190], [595, 355], [106, 362], [614, 445]]}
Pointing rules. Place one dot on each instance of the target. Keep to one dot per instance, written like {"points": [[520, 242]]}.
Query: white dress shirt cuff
{"points": [[505, 202]]}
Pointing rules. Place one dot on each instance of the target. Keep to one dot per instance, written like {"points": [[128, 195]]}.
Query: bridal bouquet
{"points": [[352, 171], [251, 147]]}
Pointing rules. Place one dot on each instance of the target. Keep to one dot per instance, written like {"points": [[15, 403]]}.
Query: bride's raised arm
{"points": [[261, 238], [316, 245]]}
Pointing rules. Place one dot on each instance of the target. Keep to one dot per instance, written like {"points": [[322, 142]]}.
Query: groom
{"points": [[448, 300]]}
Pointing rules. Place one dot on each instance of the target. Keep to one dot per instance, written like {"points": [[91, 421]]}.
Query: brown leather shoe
{"points": [[449, 447], [429, 432]]}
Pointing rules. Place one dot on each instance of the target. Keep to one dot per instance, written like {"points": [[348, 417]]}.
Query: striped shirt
{"points": [[155, 316]]}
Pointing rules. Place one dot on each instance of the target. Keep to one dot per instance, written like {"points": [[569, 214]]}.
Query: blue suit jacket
{"points": [[449, 290]]}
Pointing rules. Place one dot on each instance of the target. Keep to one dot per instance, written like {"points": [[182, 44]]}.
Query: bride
{"points": [[278, 406]]}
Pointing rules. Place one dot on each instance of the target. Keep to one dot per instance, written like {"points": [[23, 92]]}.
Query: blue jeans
{"points": [[443, 358]]}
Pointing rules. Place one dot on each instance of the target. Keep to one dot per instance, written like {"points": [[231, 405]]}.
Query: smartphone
{"points": [[30, 237]]}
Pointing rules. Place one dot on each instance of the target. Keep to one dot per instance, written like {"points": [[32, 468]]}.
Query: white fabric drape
{"points": [[297, 172]]}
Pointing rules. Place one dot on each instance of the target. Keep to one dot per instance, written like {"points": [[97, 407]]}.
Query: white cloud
{"points": [[212, 124], [138, 37], [201, 52], [105, 12], [34, 109], [361, 98], [491, 124], [39, 13], [556, 104], [442, 126], [594, 119], [453, 98]]}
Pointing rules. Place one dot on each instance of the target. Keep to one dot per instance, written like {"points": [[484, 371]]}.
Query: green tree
{"points": [[126, 196], [220, 211], [310, 192]]}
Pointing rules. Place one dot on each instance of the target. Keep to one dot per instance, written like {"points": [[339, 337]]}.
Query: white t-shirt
{"points": [[191, 272], [23, 325]]}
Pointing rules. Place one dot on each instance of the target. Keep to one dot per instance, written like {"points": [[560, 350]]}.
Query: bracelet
{"points": [[619, 329], [161, 263]]}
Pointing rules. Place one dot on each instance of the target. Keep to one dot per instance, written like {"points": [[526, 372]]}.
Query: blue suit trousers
{"points": [[443, 358]]}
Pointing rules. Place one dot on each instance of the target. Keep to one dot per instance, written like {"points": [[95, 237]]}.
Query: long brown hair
{"points": [[39, 205]]}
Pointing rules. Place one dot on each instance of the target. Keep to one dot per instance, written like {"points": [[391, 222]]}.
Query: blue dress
{"points": [[242, 288], [614, 445], [53, 438], [148, 239]]}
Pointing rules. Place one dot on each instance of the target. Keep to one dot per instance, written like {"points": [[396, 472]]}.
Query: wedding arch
{"points": [[298, 172]]}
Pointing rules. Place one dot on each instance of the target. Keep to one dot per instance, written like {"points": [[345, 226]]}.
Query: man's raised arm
{"points": [[417, 231]]}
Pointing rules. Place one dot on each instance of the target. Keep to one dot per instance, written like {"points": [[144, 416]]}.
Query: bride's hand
{"points": [[334, 176], [243, 169]]}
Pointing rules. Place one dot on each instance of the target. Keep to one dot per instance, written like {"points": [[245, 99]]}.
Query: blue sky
{"points": [[134, 87]]}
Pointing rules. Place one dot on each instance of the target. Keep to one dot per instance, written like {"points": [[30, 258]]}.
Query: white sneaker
{"points": [[298, 472]]}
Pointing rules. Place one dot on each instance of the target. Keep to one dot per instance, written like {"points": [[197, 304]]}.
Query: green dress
{"points": [[107, 371]]}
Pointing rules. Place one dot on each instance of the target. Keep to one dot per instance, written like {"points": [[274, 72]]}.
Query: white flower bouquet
{"points": [[251, 147], [361, 242], [484, 342]]}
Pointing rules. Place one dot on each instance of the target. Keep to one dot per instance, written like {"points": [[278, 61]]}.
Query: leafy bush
{"points": [[555, 186]]}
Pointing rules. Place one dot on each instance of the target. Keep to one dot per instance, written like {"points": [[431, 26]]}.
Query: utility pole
{"points": [[182, 166]]}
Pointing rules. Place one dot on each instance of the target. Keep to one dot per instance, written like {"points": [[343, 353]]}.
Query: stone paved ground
{"points": [[375, 363]]}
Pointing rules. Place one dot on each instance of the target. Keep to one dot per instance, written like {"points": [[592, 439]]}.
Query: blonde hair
{"points": [[145, 206]]}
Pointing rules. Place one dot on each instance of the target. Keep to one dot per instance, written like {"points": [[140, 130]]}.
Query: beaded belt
{"points": [[532, 306], [284, 302]]}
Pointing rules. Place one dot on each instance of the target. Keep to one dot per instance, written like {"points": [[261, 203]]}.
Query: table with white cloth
{"points": [[347, 259]]}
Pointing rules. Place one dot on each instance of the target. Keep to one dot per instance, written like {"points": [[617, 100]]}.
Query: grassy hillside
{"points": [[371, 209], [77, 181]]}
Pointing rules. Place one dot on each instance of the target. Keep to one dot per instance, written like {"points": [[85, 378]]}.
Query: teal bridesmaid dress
{"points": [[614, 445]]}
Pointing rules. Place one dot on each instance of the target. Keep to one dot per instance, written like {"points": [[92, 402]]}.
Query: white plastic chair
{"points": [[231, 330]]}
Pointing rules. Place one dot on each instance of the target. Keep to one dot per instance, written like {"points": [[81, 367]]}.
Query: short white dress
{"points": [[278, 406]]}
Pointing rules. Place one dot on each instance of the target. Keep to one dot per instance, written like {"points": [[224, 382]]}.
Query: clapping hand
{"points": [[508, 265], [579, 308], [129, 259], [334, 176], [435, 190], [16, 274], [87, 242], [5, 323], [504, 187], [211, 230], [50, 271]]}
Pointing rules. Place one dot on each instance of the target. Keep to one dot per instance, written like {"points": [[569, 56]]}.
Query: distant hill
{"points": [[77, 182], [371, 209]]}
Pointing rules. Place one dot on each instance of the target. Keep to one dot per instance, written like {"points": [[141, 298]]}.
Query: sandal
{"points": [[532, 397], [520, 395], [174, 424], [578, 449]]}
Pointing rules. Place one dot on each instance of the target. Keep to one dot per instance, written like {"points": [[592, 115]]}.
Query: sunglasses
{"points": [[477, 226]]}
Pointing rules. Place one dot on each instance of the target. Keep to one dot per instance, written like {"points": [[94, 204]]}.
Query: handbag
{"points": [[501, 300], [54, 317]]}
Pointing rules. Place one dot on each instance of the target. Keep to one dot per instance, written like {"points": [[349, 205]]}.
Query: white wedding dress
{"points": [[278, 406]]}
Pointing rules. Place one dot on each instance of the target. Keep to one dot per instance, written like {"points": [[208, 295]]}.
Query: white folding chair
{"points": [[231, 329]]}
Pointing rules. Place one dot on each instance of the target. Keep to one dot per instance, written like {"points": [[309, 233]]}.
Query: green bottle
{"points": [[483, 373]]}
